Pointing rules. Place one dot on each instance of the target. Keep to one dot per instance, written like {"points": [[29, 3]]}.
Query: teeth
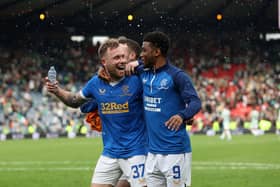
{"points": [[121, 67]]}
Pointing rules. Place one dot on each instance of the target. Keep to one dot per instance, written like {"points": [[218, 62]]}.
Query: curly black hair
{"points": [[159, 40]]}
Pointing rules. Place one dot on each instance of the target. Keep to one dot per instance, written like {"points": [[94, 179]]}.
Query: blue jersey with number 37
{"points": [[121, 110]]}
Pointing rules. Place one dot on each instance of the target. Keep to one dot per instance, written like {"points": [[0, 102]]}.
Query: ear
{"points": [[132, 56], [157, 52], [103, 61]]}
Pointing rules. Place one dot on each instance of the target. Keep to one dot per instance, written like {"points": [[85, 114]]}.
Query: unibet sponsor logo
{"points": [[114, 108], [151, 104], [155, 100]]}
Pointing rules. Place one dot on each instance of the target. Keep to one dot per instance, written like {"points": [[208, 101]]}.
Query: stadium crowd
{"points": [[244, 73]]}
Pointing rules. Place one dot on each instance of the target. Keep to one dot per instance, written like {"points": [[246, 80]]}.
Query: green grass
{"points": [[246, 161]]}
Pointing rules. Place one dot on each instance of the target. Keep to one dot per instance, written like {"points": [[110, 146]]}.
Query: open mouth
{"points": [[120, 67]]}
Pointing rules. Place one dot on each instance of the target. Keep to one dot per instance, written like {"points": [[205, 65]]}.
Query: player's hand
{"points": [[130, 67], [51, 87], [174, 122]]}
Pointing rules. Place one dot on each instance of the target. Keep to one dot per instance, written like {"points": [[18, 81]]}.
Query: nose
{"points": [[123, 59]]}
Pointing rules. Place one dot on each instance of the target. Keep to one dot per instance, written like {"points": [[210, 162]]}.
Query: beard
{"points": [[149, 62], [115, 73]]}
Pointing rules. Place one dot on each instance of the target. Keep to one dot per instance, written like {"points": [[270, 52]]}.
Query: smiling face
{"points": [[148, 54], [114, 62]]}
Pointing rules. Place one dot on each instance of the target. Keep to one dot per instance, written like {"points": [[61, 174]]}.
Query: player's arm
{"points": [[191, 99], [130, 67], [134, 67], [189, 95], [70, 99]]}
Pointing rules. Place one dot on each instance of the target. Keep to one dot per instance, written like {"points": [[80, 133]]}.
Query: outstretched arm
{"points": [[70, 99]]}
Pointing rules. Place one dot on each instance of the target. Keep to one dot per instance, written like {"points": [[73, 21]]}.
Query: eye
{"points": [[117, 57]]}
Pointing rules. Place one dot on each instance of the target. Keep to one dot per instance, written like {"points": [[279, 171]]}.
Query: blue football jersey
{"points": [[168, 91], [89, 106], [121, 111]]}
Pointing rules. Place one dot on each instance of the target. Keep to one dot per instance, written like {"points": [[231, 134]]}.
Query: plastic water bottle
{"points": [[52, 74]]}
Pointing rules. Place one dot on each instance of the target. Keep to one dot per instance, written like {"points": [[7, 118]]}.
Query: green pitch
{"points": [[246, 161]]}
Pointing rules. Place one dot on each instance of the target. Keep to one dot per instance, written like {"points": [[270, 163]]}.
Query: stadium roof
{"points": [[16, 14]]}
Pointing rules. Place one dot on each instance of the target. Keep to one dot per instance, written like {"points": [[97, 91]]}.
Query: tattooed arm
{"points": [[70, 99]]}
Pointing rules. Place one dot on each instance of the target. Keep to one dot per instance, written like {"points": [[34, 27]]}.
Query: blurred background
{"points": [[230, 48]]}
